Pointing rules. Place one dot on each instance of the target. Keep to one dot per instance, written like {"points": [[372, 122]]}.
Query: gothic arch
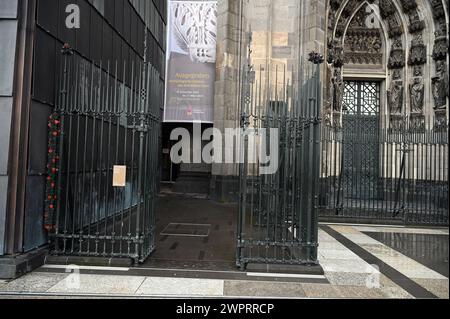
{"points": [[412, 55]]}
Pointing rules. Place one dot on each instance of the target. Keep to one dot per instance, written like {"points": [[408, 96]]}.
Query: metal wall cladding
{"points": [[38, 138], [8, 9], [8, 35], [34, 235]]}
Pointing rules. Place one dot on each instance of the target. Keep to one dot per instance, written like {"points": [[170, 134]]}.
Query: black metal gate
{"points": [[361, 159], [278, 221], [374, 172], [103, 159]]}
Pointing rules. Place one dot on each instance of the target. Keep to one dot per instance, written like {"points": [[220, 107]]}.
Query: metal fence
{"points": [[384, 175], [104, 189], [277, 211]]}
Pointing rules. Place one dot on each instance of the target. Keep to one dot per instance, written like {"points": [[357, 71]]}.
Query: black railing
{"points": [[278, 221], [107, 159], [405, 181]]}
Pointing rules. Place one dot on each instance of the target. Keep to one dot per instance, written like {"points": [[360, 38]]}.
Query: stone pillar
{"points": [[230, 51], [283, 33]]}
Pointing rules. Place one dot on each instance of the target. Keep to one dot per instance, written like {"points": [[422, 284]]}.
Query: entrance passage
{"points": [[194, 233]]}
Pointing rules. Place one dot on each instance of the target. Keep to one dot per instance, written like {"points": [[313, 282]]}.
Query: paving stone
{"points": [[98, 284], [395, 293], [263, 289], [34, 282], [347, 265], [337, 254], [360, 292], [181, 287], [437, 287], [402, 230], [349, 279], [410, 268], [361, 239], [346, 230], [321, 291]]}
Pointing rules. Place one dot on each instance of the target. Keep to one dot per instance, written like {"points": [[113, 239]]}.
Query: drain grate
{"points": [[187, 230]]}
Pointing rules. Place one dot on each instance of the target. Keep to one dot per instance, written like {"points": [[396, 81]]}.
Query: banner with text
{"points": [[191, 61]]}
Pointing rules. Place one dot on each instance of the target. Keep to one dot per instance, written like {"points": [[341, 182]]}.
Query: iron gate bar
{"points": [[412, 183], [106, 120], [277, 212]]}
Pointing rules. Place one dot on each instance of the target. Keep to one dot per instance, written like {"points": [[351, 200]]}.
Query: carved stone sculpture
{"points": [[440, 85], [337, 55], [395, 28], [395, 94], [386, 8], [338, 90], [438, 9], [418, 53], [440, 49], [397, 55], [417, 91], [415, 24], [408, 5]]}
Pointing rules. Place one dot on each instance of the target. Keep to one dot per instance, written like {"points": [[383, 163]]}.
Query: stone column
{"points": [[230, 44], [283, 33]]}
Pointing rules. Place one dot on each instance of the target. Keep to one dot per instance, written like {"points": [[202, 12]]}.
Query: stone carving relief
{"points": [[438, 9], [337, 90], [395, 94], [440, 49], [440, 85], [336, 54], [387, 8], [408, 5], [363, 41], [364, 45], [417, 91], [418, 53], [395, 28], [397, 55], [415, 23]]}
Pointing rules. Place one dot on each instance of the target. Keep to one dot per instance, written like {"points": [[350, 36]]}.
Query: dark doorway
{"points": [[361, 153], [195, 233]]}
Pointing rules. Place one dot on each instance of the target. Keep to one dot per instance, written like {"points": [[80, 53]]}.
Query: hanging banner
{"points": [[191, 61]]}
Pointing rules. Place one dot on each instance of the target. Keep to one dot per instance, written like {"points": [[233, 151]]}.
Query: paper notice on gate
{"points": [[119, 176]]}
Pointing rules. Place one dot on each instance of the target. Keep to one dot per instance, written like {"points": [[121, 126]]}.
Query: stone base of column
{"points": [[12, 267]]}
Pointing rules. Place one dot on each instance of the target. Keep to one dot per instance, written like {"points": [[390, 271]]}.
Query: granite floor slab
{"points": [[98, 284], [34, 282], [181, 287], [263, 289]]}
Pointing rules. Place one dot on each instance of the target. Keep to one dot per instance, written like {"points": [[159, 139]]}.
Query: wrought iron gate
{"points": [[103, 159], [278, 221], [361, 105], [373, 171]]}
